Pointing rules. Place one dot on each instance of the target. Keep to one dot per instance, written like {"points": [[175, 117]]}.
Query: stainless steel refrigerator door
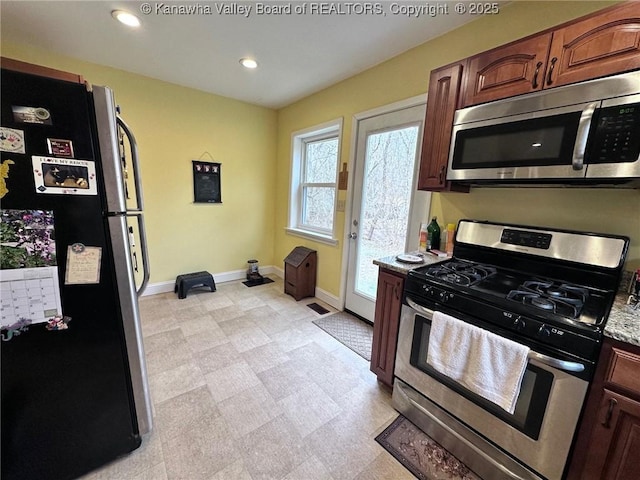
{"points": [[131, 320], [105, 109], [128, 292]]}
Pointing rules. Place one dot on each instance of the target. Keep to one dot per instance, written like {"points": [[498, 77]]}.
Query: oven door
{"points": [[532, 443]]}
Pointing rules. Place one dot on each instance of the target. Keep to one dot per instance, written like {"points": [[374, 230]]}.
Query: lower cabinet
{"points": [[386, 323], [608, 443]]}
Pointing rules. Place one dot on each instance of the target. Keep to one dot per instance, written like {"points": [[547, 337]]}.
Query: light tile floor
{"points": [[245, 387]]}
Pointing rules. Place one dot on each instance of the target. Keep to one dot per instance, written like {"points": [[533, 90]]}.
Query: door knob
{"points": [[353, 235]]}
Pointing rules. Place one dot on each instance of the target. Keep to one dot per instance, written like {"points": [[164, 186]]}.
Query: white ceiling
{"points": [[298, 54]]}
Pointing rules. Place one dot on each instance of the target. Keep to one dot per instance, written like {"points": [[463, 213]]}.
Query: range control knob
{"points": [[519, 323], [544, 332], [444, 296]]}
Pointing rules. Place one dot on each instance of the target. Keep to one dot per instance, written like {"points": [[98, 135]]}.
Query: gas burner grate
{"points": [[560, 298], [460, 273]]}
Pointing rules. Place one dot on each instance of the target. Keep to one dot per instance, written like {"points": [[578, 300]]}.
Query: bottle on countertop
{"points": [[433, 235], [423, 237], [451, 233]]}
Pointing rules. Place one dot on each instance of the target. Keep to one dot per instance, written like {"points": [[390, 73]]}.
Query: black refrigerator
{"points": [[73, 262]]}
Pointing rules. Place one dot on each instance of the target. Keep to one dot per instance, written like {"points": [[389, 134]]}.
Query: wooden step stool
{"points": [[189, 280]]}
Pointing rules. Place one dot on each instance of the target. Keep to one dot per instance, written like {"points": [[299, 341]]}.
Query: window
{"points": [[314, 188]]}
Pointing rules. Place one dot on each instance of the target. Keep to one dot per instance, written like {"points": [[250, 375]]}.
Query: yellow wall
{"points": [[173, 126], [608, 211]]}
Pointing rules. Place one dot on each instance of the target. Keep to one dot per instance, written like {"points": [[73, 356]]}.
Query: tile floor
{"points": [[244, 386]]}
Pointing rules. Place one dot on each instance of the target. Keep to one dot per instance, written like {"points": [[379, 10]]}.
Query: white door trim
{"points": [[357, 117]]}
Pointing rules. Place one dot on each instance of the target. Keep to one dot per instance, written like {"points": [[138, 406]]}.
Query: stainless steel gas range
{"points": [[548, 289]]}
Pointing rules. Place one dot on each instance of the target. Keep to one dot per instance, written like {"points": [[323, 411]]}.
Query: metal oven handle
{"points": [[556, 362], [540, 357]]}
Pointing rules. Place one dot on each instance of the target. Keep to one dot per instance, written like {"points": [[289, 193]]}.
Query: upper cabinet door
{"points": [[513, 69], [442, 100], [600, 45]]}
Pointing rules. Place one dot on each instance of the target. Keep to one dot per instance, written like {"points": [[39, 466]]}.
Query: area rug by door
{"points": [[420, 454], [350, 331]]}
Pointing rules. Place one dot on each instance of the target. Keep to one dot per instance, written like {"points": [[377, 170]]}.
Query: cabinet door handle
{"points": [[553, 64], [607, 419], [535, 75], [441, 175], [396, 292]]}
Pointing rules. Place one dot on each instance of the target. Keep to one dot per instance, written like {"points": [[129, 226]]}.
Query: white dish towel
{"points": [[485, 363]]}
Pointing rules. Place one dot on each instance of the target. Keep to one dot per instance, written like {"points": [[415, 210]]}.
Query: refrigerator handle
{"points": [[134, 162], [144, 252]]}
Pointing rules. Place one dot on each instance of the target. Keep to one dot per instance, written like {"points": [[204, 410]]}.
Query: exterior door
{"points": [[387, 209]]}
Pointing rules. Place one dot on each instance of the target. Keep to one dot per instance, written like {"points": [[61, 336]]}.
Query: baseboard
{"points": [[235, 275]]}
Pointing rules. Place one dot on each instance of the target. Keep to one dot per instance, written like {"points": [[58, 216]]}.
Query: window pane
{"points": [[318, 207], [321, 161]]}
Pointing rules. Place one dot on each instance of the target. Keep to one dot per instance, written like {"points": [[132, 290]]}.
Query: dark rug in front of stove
{"points": [[258, 281], [420, 454]]}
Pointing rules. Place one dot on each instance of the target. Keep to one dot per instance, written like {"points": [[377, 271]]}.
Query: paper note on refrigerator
{"points": [[83, 264]]}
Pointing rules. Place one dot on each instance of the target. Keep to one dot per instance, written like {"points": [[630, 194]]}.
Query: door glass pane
{"points": [[386, 198]]}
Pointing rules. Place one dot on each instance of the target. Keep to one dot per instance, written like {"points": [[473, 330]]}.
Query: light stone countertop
{"points": [[623, 323], [391, 263]]}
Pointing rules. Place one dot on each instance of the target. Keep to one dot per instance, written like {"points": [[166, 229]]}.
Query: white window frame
{"points": [[299, 139]]}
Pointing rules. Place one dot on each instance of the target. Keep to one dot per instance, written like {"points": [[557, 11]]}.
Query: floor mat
{"points": [[350, 331], [420, 454], [259, 281]]}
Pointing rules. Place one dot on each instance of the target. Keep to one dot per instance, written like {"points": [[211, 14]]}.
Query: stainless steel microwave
{"points": [[587, 133]]}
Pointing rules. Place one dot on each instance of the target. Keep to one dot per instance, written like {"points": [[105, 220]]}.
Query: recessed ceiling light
{"points": [[127, 18], [248, 63]]}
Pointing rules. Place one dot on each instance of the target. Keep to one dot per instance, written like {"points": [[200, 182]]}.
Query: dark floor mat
{"points": [[258, 281]]}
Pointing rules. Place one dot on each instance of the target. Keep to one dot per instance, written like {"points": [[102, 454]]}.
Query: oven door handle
{"points": [[556, 362], [540, 357], [420, 308]]}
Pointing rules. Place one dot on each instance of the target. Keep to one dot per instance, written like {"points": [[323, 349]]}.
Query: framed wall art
{"points": [[206, 182]]}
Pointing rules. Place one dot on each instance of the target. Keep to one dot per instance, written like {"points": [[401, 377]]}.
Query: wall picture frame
{"points": [[206, 182]]}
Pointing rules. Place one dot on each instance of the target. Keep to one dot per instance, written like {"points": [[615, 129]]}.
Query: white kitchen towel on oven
{"points": [[485, 363]]}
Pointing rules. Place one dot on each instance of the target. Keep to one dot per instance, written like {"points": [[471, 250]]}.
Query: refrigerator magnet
{"points": [[64, 176], [60, 147], [11, 140], [83, 265], [4, 175], [31, 115], [59, 322]]}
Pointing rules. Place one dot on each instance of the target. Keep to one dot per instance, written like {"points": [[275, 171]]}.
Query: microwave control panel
{"points": [[617, 135]]}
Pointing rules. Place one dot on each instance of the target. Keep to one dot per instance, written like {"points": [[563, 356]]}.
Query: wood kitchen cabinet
{"points": [[506, 71], [608, 442], [601, 44], [442, 101], [385, 325]]}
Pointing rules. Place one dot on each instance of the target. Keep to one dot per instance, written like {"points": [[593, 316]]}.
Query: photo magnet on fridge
{"points": [[64, 176]]}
